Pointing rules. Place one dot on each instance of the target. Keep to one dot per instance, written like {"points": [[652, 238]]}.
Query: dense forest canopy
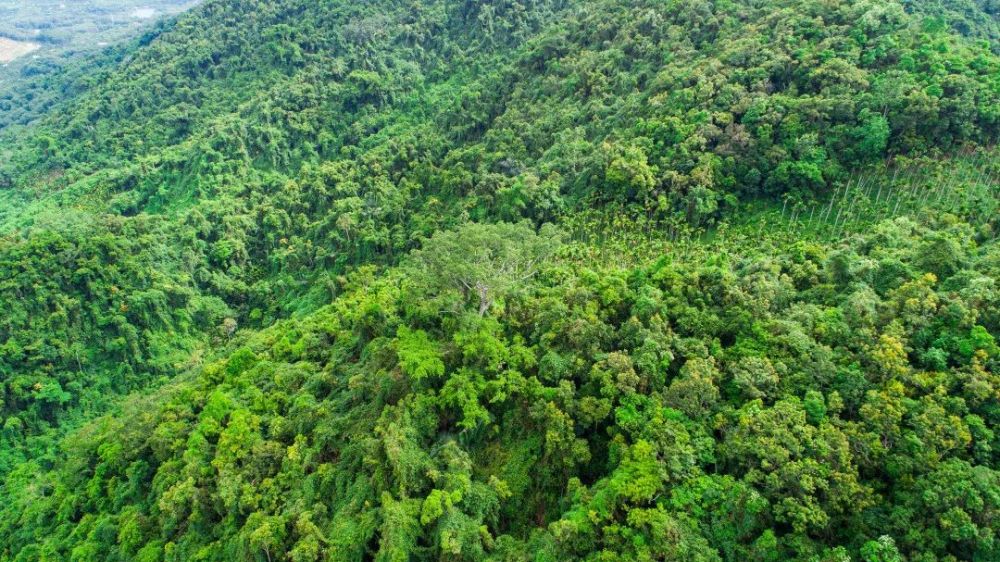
{"points": [[977, 19], [511, 280]]}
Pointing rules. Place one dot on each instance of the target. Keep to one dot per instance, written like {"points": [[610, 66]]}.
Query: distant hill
{"points": [[44, 38], [80, 24]]}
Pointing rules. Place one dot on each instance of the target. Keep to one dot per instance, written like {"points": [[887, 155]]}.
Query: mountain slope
{"points": [[978, 19], [668, 412], [386, 280], [287, 145]]}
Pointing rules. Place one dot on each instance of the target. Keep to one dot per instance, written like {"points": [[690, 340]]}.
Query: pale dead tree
{"points": [[229, 326]]}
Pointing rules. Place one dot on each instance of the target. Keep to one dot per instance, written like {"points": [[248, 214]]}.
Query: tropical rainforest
{"points": [[507, 281]]}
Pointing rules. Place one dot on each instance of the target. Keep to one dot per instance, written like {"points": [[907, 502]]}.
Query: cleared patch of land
{"points": [[10, 49]]}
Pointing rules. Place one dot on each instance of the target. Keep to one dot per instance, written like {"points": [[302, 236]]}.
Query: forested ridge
{"points": [[510, 280]]}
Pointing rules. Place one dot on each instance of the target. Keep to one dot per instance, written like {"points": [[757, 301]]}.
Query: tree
{"points": [[482, 263]]}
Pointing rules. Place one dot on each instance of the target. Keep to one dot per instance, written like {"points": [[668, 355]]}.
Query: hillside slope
{"points": [[977, 19], [423, 280], [279, 149], [746, 401], [68, 43]]}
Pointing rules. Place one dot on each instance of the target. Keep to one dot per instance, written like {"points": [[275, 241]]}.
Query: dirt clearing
{"points": [[10, 49]]}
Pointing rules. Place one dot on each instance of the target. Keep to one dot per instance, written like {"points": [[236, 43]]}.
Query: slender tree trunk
{"points": [[484, 299]]}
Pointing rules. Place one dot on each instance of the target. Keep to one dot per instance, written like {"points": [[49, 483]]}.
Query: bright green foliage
{"points": [[543, 428], [418, 355]]}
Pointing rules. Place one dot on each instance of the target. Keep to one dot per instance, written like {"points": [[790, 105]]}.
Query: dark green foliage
{"points": [[91, 312], [977, 19]]}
